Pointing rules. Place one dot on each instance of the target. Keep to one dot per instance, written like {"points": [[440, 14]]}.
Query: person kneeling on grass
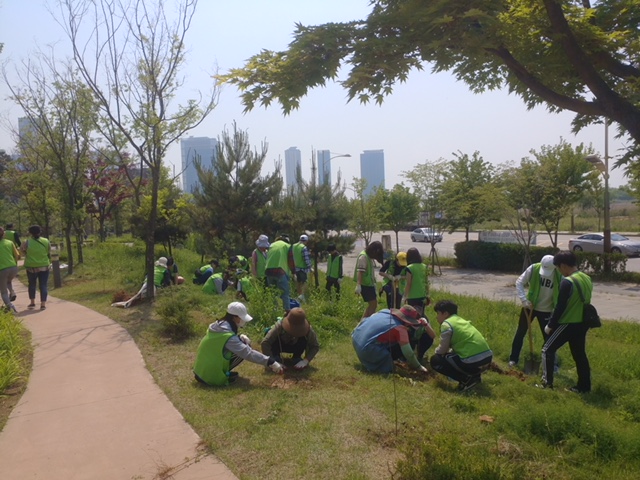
{"points": [[463, 353], [294, 335], [222, 349], [386, 336]]}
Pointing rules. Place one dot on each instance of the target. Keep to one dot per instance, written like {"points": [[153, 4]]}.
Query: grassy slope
{"points": [[336, 421]]}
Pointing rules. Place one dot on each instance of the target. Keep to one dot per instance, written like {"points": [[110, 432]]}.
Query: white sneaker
{"points": [[512, 364]]}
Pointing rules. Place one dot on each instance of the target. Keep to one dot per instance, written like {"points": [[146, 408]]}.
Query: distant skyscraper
{"points": [[372, 169], [192, 148], [292, 163], [323, 158]]}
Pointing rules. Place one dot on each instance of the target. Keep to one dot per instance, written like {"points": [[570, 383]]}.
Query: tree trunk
{"points": [[150, 237], [67, 236]]}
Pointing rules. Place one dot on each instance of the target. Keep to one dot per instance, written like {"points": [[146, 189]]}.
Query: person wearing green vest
{"points": [[393, 282], [9, 257], [222, 349], [259, 258], [37, 252], [334, 270], [201, 274], [11, 234], [544, 282], [216, 283], [463, 353], [244, 284], [415, 290], [302, 261], [238, 261], [161, 273], [565, 324], [278, 267], [364, 276]]}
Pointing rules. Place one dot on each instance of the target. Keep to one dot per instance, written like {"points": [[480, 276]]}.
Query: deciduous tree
{"points": [[580, 56], [399, 208], [130, 54]]}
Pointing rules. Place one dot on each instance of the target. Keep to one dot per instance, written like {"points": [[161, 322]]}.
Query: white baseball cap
{"points": [[546, 266], [304, 238], [239, 310]]}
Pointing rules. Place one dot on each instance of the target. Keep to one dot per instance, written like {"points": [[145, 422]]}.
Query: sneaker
{"points": [[469, 384], [512, 364], [233, 376], [13, 297], [543, 385]]}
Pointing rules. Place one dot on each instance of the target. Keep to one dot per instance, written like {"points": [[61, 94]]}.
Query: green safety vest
{"points": [[10, 235], [246, 284], [466, 340], [212, 361], [210, 285], [242, 262], [574, 310], [333, 266], [37, 253], [298, 258], [261, 263], [368, 280], [158, 275], [7, 260], [278, 256], [534, 284], [418, 280]]}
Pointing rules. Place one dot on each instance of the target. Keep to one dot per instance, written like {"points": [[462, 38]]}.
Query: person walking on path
{"points": [[544, 283], [364, 276], [11, 234], [463, 353], [385, 337], [566, 325], [415, 290], [222, 349], [294, 335], [37, 250], [334, 269], [279, 265], [302, 260], [259, 258], [9, 257]]}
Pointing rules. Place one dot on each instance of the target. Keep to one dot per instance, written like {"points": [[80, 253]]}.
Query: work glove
{"points": [[340, 281], [548, 330], [301, 365], [358, 289], [276, 368], [403, 301], [422, 369], [527, 304], [246, 340], [397, 278]]}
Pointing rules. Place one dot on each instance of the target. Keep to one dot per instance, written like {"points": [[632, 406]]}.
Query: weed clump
{"points": [[174, 310]]}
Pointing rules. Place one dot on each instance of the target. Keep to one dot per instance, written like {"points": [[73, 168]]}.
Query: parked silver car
{"points": [[594, 242], [425, 235]]}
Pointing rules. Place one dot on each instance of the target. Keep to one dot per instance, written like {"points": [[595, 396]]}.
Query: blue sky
{"points": [[427, 118]]}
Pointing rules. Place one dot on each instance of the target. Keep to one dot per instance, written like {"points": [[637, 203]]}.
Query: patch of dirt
{"points": [[120, 296], [511, 372], [286, 383]]}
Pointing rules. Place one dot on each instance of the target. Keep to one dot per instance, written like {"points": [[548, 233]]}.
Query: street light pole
{"points": [[328, 161]]}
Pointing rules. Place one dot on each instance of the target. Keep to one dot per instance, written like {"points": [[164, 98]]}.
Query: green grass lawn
{"points": [[336, 421]]}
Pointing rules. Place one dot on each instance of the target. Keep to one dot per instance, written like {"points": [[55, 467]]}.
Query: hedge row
{"points": [[510, 257]]}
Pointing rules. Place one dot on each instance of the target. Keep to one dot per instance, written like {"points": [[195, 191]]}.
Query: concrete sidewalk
{"points": [[92, 410]]}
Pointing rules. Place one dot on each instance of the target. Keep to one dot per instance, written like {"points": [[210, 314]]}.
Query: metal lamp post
{"points": [[603, 167], [328, 161]]}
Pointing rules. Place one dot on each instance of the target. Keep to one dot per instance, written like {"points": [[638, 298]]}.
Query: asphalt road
{"points": [[445, 248]]}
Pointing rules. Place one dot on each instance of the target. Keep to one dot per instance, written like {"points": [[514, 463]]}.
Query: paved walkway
{"points": [[92, 411]]}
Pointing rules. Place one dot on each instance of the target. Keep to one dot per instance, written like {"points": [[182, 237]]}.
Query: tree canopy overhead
{"points": [[572, 55]]}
